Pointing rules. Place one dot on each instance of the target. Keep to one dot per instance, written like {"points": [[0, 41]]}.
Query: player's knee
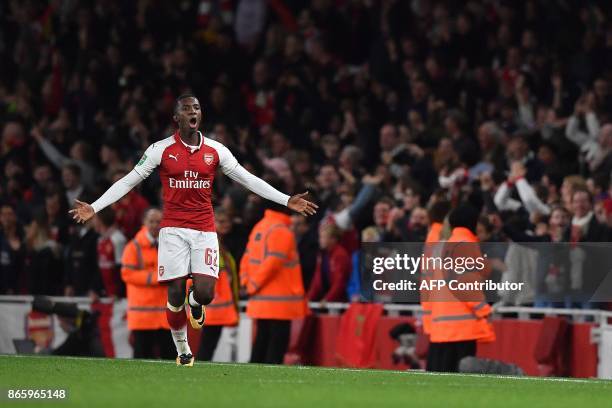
{"points": [[204, 295], [176, 294]]}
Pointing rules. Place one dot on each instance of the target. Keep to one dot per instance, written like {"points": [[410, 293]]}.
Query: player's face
{"points": [[189, 114]]}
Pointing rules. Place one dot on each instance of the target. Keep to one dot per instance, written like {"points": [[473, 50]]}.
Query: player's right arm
{"points": [[83, 212]]}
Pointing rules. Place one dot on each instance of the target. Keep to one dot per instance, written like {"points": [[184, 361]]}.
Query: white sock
{"points": [[180, 336], [192, 301]]}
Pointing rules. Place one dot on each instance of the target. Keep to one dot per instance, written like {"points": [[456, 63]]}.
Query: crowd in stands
{"points": [[378, 108]]}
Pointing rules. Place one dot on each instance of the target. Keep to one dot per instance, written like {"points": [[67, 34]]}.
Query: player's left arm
{"points": [[233, 169]]}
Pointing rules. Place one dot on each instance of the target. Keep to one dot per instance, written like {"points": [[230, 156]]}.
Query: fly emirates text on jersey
{"points": [[191, 181]]}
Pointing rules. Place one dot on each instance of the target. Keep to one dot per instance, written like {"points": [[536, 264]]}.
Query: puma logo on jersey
{"points": [[173, 156]]}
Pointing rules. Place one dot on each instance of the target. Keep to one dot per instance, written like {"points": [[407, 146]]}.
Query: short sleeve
{"points": [[149, 160]]}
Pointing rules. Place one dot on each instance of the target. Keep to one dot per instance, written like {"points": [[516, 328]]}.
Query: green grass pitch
{"points": [[137, 383]]}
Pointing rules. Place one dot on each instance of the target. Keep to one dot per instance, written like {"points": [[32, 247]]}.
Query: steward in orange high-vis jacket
{"points": [[271, 274], [432, 247], [459, 318], [146, 315]]}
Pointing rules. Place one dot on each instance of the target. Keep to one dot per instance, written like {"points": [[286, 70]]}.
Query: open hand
{"points": [[301, 205], [82, 212]]}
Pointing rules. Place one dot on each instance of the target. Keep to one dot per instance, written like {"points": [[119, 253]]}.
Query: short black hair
{"points": [[464, 215], [439, 210], [180, 98]]}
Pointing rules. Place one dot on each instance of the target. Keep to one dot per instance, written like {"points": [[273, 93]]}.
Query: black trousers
{"points": [[208, 342], [271, 341], [445, 357], [153, 344]]}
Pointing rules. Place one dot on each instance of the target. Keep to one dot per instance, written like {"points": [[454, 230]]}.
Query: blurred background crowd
{"points": [[380, 109]]}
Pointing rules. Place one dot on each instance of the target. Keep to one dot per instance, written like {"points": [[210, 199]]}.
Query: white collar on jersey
{"points": [[193, 148]]}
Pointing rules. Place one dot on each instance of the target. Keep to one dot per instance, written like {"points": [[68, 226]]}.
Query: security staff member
{"points": [[146, 315], [270, 273], [433, 244], [458, 320]]}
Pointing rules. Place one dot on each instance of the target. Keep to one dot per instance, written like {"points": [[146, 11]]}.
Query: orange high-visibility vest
{"points": [[460, 320], [223, 310], [270, 269], [433, 238], [146, 297]]}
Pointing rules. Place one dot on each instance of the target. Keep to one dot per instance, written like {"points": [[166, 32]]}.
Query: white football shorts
{"points": [[183, 252]]}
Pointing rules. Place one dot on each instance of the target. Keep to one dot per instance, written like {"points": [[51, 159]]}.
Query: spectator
{"points": [[356, 291], [333, 267], [307, 246], [57, 213], [585, 228], [571, 184], [528, 197], [41, 266], [552, 276], [111, 243], [585, 141], [42, 181], [491, 148], [382, 210], [601, 162], [12, 250], [518, 150], [79, 156], [71, 178], [81, 274]]}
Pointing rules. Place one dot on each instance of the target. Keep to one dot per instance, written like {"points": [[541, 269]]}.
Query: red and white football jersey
{"points": [[187, 175]]}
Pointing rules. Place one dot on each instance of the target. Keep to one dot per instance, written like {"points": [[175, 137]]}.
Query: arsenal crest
{"points": [[208, 158]]}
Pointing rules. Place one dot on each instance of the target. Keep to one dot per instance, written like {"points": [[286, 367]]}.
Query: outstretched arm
{"points": [[231, 168], [83, 212], [297, 203]]}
